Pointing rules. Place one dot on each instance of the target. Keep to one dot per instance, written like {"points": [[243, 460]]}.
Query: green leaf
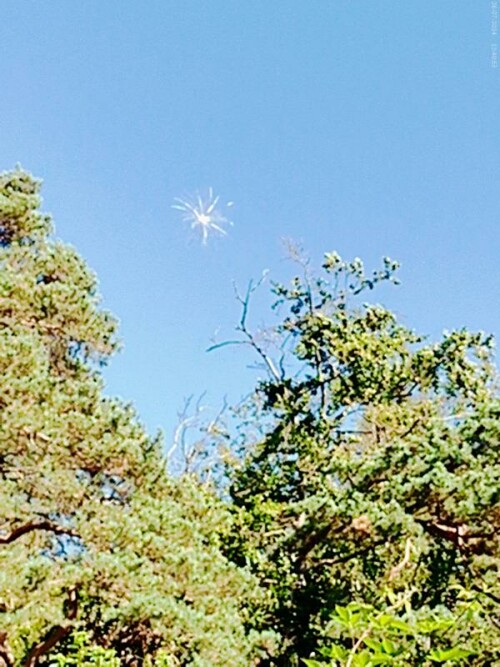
{"points": [[334, 651], [449, 655], [373, 644], [382, 659], [389, 647], [403, 626]]}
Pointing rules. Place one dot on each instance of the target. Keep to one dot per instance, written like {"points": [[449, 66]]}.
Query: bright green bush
{"points": [[362, 636]]}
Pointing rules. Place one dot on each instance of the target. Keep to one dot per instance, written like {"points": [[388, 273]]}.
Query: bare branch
{"points": [[190, 450], [251, 340], [357, 645], [347, 557], [459, 534], [182, 425], [247, 333], [216, 346], [214, 423], [404, 563], [6, 656], [55, 634], [31, 526]]}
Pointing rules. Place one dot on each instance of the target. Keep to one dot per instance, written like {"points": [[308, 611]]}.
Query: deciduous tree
{"points": [[375, 475]]}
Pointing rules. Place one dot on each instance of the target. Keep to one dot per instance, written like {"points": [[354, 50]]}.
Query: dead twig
{"points": [[250, 338]]}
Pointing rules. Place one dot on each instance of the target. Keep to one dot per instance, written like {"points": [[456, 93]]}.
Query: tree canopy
{"points": [[375, 481], [351, 519], [94, 536]]}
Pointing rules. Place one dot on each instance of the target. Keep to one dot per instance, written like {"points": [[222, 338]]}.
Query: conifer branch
{"points": [[55, 634], [31, 526]]}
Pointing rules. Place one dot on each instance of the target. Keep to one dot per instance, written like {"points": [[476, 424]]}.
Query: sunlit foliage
{"points": [[94, 536], [348, 516]]}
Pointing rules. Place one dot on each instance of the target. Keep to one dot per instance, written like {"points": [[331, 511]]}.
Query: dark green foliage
{"points": [[377, 474]]}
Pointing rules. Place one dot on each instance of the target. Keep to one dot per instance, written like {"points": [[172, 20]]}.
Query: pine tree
{"points": [[94, 536]]}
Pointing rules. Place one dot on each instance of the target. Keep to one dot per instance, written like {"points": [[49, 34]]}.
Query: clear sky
{"points": [[367, 126]]}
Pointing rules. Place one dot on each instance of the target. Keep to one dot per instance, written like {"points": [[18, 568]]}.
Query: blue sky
{"points": [[367, 126]]}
